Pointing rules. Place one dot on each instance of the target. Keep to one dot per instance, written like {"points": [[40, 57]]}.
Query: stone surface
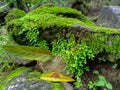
{"points": [[21, 83], [30, 81], [4, 9], [55, 65], [109, 17], [67, 86]]}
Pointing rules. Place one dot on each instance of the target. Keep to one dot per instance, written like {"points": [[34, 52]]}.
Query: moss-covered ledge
{"points": [[47, 21]]}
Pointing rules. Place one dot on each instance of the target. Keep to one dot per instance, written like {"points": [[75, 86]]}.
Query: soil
{"points": [[106, 69]]}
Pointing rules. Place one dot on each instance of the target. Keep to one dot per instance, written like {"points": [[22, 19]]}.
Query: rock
{"points": [[67, 86], [115, 2], [4, 9], [29, 80], [55, 65], [109, 17], [47, 22]]}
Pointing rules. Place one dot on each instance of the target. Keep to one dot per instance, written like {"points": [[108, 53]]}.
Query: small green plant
{"points": [[102, 82], [75, 56], [92, 85], [115, 66]]}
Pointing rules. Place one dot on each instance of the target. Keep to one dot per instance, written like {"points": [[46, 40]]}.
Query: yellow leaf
{"points": [[56, 77]]}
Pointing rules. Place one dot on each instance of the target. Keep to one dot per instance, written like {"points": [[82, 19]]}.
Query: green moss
{"points": [[59, 11], [13, 74], [47, 21], [58, 86], [47, 17], [35, 75], [14, 14]]}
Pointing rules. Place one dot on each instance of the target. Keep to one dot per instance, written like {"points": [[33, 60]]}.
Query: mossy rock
{"points": [[14, 14], [28, 79], [46, 22]]}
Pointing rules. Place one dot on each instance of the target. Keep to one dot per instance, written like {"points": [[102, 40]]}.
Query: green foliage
{"points": [[14, 14], [115, 66], [75, 56], [92, 85], [29, 52], [102, 82]]}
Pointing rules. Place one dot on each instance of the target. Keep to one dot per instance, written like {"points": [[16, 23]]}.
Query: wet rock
{"points": [[109, 17], [4, 9]]}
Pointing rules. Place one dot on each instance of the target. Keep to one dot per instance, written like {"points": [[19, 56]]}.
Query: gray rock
{"points": [[4, 9], [109, 17], [21, 83], [115, 2], [55, 65], [67, 86]]}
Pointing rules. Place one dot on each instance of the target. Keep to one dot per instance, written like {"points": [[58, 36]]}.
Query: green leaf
{"points": [[100, 83], [109, 86], [29, 52], [101, 77]]}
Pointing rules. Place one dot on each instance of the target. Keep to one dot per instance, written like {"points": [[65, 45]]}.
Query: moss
{"points": [[13, 74], [60, 11], [58, 86], [35, 75], [14, 14], [47, 21]]}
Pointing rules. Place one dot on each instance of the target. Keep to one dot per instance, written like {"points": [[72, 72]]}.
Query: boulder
{"points": [[4, 9], [50, 21], [109, 17], [54, 65], [25, 79]]}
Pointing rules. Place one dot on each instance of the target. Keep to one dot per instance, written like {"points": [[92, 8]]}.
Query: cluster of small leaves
{"points": [[75, 56]]}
